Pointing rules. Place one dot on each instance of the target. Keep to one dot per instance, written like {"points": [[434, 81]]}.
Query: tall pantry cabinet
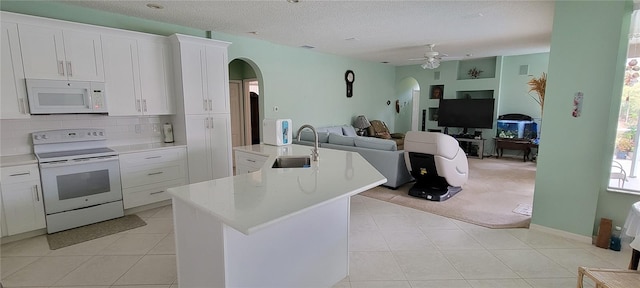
{"points": [[202, 118]]}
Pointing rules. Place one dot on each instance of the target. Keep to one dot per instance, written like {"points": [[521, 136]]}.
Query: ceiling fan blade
{"points": [[418, 59]]}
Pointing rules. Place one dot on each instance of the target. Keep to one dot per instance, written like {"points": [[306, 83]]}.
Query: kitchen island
{"points": [[277, 227]]}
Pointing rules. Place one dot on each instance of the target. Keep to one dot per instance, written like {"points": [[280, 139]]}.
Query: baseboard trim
{"points": [[561, 233]]}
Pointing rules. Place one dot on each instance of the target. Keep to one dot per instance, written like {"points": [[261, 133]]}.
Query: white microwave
{"points": [[66, 97]]}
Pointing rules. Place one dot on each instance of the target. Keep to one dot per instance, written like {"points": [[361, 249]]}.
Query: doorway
{"points": [[245, 103]]}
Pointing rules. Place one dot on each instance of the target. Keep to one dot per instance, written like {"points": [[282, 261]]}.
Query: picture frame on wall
{"points": [[437, 92]]}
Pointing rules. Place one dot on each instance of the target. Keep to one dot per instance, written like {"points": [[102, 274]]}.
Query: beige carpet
{"points": [[89, 232], [495, 188]]}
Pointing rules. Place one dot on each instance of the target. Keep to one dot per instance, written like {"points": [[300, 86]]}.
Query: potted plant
{"points": [[624, 145]]}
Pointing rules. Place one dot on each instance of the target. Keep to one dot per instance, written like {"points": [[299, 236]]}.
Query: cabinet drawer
{"points": [[250, 160], [22, 173], [243, 169], [147, 194], [152, 157], [133, 178]]}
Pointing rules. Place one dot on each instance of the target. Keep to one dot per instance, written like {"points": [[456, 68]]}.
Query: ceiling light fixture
{"points": [[155, 6], [431, 63]]}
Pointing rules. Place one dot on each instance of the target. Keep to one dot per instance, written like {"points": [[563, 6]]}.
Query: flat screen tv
{"points": [[466, 113]]}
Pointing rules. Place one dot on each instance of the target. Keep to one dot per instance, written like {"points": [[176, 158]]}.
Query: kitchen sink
{"points": [[292, 162]]}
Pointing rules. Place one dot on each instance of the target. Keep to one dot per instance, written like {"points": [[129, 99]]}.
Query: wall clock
{"points": [[349, 77]]}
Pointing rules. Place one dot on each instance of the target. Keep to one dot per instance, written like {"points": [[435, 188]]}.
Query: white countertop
{"points": [[249, 202], [15, 160], [124, 149]]}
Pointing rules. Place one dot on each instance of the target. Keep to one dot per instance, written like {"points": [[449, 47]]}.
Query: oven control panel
{"points": [[68, 135]]}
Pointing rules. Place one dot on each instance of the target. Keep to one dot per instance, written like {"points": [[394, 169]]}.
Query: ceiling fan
{"points": [[431, 58]]}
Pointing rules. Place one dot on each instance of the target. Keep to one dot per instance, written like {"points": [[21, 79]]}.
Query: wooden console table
{"points": [[513, 144], [479, 142]]}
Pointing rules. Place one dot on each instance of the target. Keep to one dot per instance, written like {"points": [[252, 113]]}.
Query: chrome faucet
{"points": [[314, 151]]}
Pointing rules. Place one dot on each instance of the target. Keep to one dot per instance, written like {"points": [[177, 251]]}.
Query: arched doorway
{"points": [[408, 116], [246, 102]]}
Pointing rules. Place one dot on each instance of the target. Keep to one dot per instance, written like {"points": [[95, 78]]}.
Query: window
{"points": [[625, 164]]}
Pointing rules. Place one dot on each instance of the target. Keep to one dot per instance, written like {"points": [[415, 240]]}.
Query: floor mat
{"points": [[89, 232]]}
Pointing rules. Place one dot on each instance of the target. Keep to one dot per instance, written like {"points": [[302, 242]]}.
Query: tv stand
{"points": [[465, 144]]}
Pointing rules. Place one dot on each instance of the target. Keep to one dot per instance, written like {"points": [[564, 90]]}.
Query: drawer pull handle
{"points": [[252, 161], [155, 173], [21, 174], [153, 157], [35, 190], [153, 193]]}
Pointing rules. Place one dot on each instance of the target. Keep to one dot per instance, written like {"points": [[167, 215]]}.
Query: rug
{"points": [[93, 231], [494, 189]]}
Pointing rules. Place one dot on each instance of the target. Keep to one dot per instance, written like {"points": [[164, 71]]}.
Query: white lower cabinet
{"points": [[209, 146], [146, 175], [248, 162], [22, 203]]}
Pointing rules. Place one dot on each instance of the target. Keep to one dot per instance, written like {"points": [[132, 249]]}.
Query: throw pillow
{"points": [[383, 135], [348, 130]]}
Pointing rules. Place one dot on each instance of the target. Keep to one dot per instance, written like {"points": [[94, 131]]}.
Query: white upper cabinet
{"points": [[51, 53], [156, 76], [203, 71], [121, 75], [13, 100], [138, 75]]}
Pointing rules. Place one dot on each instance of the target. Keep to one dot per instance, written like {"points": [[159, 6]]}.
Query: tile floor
{"points": [[390, 246]]}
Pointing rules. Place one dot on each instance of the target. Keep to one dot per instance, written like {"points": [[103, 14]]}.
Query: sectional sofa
{"points": [[381, 153]]}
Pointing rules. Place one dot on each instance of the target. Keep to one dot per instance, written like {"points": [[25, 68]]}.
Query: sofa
{"points": [[383, 154]]}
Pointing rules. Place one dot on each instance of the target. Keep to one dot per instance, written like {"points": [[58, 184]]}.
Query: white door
{"points": [[122, 77], [237, 115], [193, 70], [42, 52], [221, 145], [217, 67], [415, 111], [155, 76], [13, 100], [83, 53], [24, 208], [198, 149]]}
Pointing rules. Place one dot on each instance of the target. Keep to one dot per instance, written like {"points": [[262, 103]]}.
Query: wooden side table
{"points": [[609, 278], [513, 144]]}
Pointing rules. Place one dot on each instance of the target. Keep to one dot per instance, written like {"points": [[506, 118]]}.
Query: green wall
{"points": [[575, 153], [515, 96], [309, 87]]}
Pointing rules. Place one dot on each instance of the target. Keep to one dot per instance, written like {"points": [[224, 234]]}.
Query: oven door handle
{"points": [[78, 162]]}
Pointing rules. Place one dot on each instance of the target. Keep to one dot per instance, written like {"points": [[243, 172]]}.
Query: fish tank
{"points": [[512, 127]]}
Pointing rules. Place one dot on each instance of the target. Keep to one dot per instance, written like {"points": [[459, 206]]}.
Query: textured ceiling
{"points": [[379, 31]]}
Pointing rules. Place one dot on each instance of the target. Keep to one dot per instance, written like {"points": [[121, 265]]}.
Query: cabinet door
{"points": [[13, 100], [122, 77], [220, 145], [198, 150], [83, 54], [3, 222], [23, 207], [193, 69], [217, 79], [42, 52], [156, 76]]}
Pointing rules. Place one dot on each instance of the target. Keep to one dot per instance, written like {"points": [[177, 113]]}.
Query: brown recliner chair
{"points": [[380, 130]]}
